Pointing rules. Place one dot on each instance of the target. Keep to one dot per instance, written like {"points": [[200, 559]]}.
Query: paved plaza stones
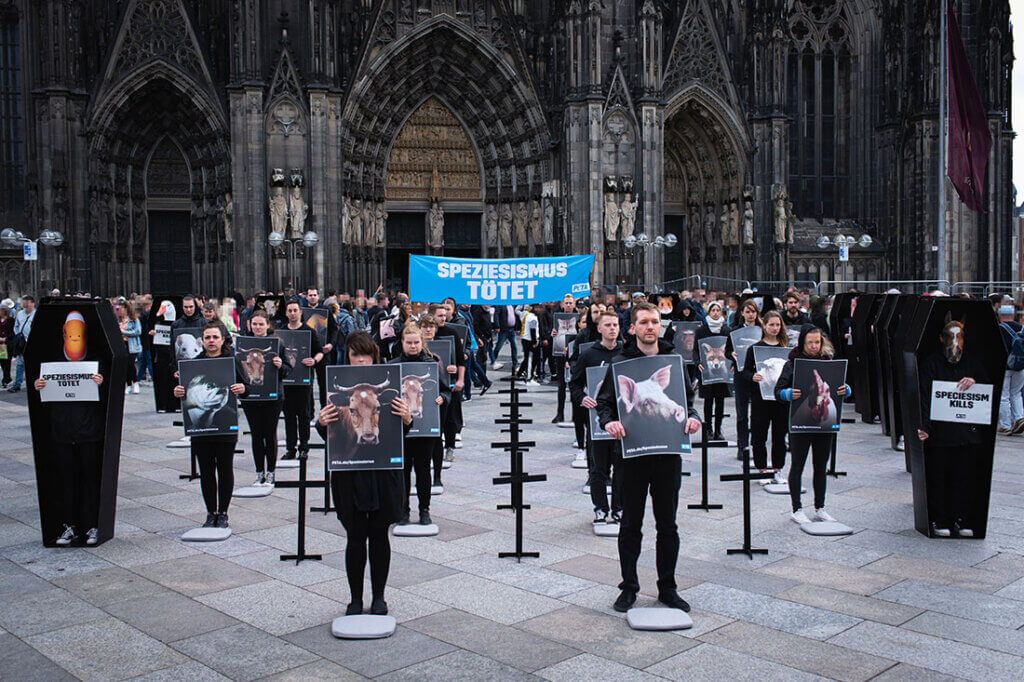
{"points": [[883, 603]]}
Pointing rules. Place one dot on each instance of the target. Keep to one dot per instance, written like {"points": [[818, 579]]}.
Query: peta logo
{"points": [[580, 288]]}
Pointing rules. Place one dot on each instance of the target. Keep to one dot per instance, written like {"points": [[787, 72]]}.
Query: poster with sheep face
{"points": [[714, 364], [209, 407], [768, 362], [651, 398], [819, 409]]}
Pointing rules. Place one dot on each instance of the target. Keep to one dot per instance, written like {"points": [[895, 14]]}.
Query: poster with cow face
{"points": [[565, 324], [818, 409], [742, 339], [685, 341], [187, 343], [595, 377], [420, 391], [768, 362], [712, 359], [255, 357], [366, 436], [295, 345], [651, 399], [316, 320], [209, 407]]}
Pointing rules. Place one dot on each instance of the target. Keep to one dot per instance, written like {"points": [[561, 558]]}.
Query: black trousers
{"points": [[559, 365], [820, 444], [298, 403], [661, 475], [742, 394], [718, 402], [216, 473], [263, 418], [579, 423], [78, 471], [530, 357], [5, 366], [605, 459], [321, 381], [949, 481], [453, 422], [765, 413], [367, 529], [163, 381], [421, 462]]}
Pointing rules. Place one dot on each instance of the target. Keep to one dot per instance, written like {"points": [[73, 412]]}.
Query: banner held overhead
{"points": [[499, 281]]}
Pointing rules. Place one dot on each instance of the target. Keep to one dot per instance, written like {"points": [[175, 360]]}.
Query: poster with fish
{"points": [[295, 345], [420, 391], [595, 377], [819, 409], [714, 365], [316, 320], [187, 343], [685, 341], [768, 362], [651, 400], [255, 357], [209, 407], [366, 436], [742, 339]]}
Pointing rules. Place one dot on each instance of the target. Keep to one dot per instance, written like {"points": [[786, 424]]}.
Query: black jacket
{"points": [[935, 368], [482, 324], [194, 321], [594, 356], [607, 405], [798, 321]]}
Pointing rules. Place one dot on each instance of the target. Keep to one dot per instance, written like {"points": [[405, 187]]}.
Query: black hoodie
{"points": [[607, 405]]}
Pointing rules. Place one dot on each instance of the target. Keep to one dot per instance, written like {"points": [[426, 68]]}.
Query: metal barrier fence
{"points": [[907, 286], [783, 285], [986, 288]]}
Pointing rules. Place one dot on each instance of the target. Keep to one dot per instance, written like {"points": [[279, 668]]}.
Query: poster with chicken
{"points": [[420, 391], [296, 344], [714, 366], [818, 408], [768, 362], [366, 436], [651, 400], [255, 357], [209, 407]]}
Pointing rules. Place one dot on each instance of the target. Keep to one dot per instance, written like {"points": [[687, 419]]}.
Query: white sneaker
{"points": [[258, 483], [822, 515], [449, 454], [135, 387], [127, 390], [67, 537], [497, 365], [581, 455], [92, 537], [268, 479], [899, 444], [779, 478], [799, 517], [764, 481], [458, 437]]}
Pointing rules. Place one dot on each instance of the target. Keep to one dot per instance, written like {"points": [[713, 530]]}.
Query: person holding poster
{"points": [[564, 324], [746, 331], [215, 454], [767, 411], [367, 501], [428, 329], [453, 423], [951, 450], [263, 413], [659, 473], [714, 394], [298, 400], [813, 345]]}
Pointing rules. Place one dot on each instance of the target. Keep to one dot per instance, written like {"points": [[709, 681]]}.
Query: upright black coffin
{"points": [[105, 345], [865, 391], [983, 339], [892, 360], [880, 341], [839, 324], [163, 368]]}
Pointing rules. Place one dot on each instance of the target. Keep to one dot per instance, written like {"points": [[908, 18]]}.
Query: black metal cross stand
{"points": [[746, 477], [193, 473], [327, 481], [516, 477], [704, 482], [301, 484], [832, 461]]}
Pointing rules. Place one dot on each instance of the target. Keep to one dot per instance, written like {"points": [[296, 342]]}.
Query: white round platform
{"points": [[446, 465], [826, 528], [287, 464], [652, 618], [252, 491], [458, 445], [363, 627], [780, 489], [414, 530], [437, 490], [565, 425], [606, 530], [281, 442], [181, 443], [586, 488], [206, 535], [579, 464]]}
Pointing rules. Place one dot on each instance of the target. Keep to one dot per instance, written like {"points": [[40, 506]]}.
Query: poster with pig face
{"points": [[420, 391], [768, 362], [651, 400], [296, 344], [595, 377], [685, 341], [366, 436], [714, 364], [255, 358], [819, 409]]}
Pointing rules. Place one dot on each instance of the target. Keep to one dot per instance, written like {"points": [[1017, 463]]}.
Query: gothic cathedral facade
{"points": [[168, 140]]}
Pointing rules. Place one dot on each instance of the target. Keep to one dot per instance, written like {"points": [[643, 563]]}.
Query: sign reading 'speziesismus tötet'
{"points": [[498, 281]]}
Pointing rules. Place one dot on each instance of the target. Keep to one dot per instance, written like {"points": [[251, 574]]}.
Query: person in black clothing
{"points": [[748, 316], [190, 317], [215, 454], [313, 301], [298, 400], [819, 314], [453, 423], [715, 394], [482, 329], [263, 415], [765, 413], [659, 473], [792, 316], [367, 502], [603, 456], [568, 305], [950, 450]]}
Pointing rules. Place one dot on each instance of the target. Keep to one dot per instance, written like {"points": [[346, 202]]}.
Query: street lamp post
{"points": [[638, 243], [843, 244], [308, 240], [55, 239]]}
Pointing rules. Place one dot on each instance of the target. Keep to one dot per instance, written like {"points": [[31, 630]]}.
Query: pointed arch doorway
{"points": [[169, 208]]}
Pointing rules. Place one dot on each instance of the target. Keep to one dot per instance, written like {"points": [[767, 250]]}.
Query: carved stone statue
{"points": [[612, 218], [227, 212], [435, 222], [346, 220], [505, 224], [734, 224], [790, 222], [298, 209], [521, 219], [536, 224], [709, 225], [549, 220], [628, 211], [278, 202], [781, 223], [368, 218], [723, 226], [491, 226], [355, 223], [694, 226], [748, 223]]}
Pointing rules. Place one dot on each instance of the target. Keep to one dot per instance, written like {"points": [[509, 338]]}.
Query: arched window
{"points": [[818, 104]]}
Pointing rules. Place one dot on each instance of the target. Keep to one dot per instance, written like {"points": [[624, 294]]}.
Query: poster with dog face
{"points": [[768, 362], [685, 341], [712, 359], [255, 357], [187, 343], [651, 399], [420, 391], [595, 377], [819, 409], [316, 320], [565, 324], [742, 339], [209, 407], [366, 435], [295, 345]]}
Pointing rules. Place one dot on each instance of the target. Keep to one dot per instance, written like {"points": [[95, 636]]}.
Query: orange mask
{"points": [[74, 336]]}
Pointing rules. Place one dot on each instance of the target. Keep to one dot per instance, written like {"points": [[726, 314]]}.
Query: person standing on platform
{"points": [[264, 415], [453, 424], [298, 400], [743, 387], [661, 474], [560, 361], [715, 394], [765, 413], [313, 301]]}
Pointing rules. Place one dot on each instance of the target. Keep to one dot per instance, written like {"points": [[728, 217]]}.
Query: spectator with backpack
{"points": [[1011, 406], [347, 324], [16, 347]]}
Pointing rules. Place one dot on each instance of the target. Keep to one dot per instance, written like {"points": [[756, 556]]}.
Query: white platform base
{"points": [[414, 530], [652, 618], [458, 445], [281, 442], [606, 530], [586, 488], [185, 442], [579, 464], [826, 528], [437, 490], [287, 464], [565, 425], [252, 491], [780, 489], [446, 465], [363, 627], [206, 535]]}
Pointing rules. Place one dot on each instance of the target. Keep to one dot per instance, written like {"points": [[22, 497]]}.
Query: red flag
{"points": [[969, 137]]}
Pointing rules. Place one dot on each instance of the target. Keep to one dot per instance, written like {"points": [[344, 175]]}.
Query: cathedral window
{"points": [[12, 158]]}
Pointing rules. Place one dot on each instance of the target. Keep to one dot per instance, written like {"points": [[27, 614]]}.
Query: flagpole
{"points": [[940, 269]]}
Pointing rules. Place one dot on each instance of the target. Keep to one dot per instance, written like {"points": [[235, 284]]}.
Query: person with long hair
{"points": [[131, 332], [264, 415], [767, 413], [713, 395], [743, 387], [813, 345]]}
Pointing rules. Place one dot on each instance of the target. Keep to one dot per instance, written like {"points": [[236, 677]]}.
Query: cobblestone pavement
{"points": [[884, 603]]}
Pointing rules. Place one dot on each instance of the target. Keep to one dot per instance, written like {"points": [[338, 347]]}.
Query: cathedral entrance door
{"points": [[170, 251], [405, 236], [462, 235]]}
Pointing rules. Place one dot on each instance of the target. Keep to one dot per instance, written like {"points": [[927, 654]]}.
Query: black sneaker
{"points": [[616, 517], [484, 390], [425, 518], [437, 482], [66, 537], [378, 607], [354, 609], [672, 600], [289, 454], [625, 601], [304, 452], [600, 516], [211, 521], [558, 418], [404, 521], [222, 520]]}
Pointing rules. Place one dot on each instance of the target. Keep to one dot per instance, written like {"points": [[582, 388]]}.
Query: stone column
{"points": [[248, 185]]}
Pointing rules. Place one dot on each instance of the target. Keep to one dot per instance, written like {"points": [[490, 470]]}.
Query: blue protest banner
{"points": [[498, 281]]}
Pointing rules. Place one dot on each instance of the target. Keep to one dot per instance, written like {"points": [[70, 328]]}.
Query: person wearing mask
{"points": [[6, 334], [131, 333], [298, 400], [1011, 404], [263, 415], [715, 394], [743, 387], [765, 413], [792, 315], [507, 324], [215, 454], [661, 474], [22, 327], [813, 345]]}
